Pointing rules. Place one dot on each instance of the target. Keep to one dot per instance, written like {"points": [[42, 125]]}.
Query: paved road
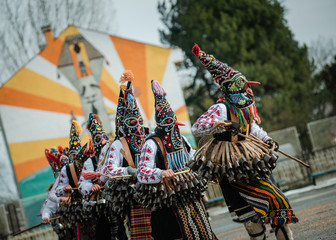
{"points": [[315, 209]]}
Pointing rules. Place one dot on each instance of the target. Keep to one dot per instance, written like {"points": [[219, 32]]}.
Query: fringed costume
{"points": [[51, 203], [123, 160], [167, 149], [94, 206], [236, 154], [70, 210]]}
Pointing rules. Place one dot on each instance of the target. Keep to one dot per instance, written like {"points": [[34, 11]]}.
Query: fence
{"points": [[37, 234], [12, 218]]}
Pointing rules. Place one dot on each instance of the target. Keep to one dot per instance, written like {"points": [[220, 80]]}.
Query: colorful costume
{"points": [[94, 206], [70, 212], [56, 161], [241, 162], [76, 159], [123, 160], [167, 149]]}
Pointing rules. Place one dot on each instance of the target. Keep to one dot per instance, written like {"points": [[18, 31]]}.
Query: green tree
{"points": [[251, 36], [324, 101]]}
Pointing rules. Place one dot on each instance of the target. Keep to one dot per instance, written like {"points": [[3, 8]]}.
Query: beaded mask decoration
{"points": [[238, 95], [53, 156], [129, 120], [120, 113], [166, 121], [98, 135], [74, 142]]}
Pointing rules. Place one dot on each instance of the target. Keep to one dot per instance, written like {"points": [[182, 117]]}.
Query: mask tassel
{"points": [[90, 149], [127, 76], [256, 113], [78, 128]]}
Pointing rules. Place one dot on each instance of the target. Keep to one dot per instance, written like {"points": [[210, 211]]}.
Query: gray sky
{"points": [[309, 20]]}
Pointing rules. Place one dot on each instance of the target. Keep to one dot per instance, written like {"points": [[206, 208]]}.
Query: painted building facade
{"points": [[75, 74]]}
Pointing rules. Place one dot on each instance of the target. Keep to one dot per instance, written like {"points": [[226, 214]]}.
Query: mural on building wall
{"points": [[75, 74], [82, 64]]}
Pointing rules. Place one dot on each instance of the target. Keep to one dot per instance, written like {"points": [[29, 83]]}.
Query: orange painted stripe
{"points": [[156, 64], [25, 169], [28, 157], [157, 61], [183, 117], [52, 51], [25, 151], [85, 58], [109, 87], [69, 31], [17, 98], [34, 83], [181, 110], [108, 93], [182, 114], [133, 57], [74, 61]]}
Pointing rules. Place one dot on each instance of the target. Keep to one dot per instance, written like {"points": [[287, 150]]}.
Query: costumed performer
{"points": [[163, 153], [125, 155], [241, 163]]}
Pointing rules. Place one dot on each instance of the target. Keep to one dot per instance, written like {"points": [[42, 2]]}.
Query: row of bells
{"points": [[235, 169], [118, 195], [184, 188]]}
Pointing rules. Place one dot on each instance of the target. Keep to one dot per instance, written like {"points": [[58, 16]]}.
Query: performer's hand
{"points": [[132, 171], [234, 128], [168, 174], [95, 188], [272, 144], [221, 124], [45, 220], [67, 188]]}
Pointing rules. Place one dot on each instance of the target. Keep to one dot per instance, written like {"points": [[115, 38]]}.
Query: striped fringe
{"points": [[246, 115], [178, 159], [268, 201]]}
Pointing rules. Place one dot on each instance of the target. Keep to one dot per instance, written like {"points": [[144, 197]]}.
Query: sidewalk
{"points": [[215, 211]]}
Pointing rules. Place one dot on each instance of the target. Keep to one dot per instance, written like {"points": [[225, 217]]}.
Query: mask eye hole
{"points": [[169, 120], [141, 121], [97, 139], [131, 122]]}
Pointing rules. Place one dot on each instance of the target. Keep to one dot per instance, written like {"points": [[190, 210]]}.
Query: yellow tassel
{"points": [[127, 76], [77, 126]]}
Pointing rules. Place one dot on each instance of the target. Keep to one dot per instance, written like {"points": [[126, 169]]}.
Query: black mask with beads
{"points": [[165, 119], [98, 135], [133, 128]]}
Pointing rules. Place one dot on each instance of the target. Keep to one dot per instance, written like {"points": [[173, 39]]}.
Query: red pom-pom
{"points": [[196, 49], [60, 149]]}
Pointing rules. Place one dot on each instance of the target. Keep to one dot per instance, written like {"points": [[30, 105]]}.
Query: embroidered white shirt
{"points": [[148, 172], [218, 112]]}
